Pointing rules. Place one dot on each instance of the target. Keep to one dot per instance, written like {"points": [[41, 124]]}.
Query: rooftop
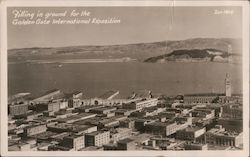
{"points": [[49, 92], [45, 135], [141, 137], [192, 129], [222, 132], [126, 140], [78, 116], [70, 95], [103, 108], [205, 94], [90, 107], [60, 135], [160, 123], [72, 136], [109, 94], [96, 133], [60, 95]]}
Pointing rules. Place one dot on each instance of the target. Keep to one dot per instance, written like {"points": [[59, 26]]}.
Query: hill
{"points": [[139, 51], [185, 55]]}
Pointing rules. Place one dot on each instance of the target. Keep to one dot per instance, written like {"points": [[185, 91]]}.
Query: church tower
{"points": [[228, 89]]}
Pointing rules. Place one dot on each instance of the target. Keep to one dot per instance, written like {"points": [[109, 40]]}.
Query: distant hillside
{"points": [[140, 51]]}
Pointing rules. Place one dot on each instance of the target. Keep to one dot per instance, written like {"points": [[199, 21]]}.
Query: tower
{"points": [[228, 86]]}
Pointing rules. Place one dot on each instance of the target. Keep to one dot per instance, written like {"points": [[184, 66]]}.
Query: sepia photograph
{"points": [[128, 78]]}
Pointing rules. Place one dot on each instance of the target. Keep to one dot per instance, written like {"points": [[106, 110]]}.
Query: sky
{"points": [[138, 24]]}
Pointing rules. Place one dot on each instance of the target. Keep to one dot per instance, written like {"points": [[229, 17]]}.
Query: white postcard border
{"points": [[3, 85]]}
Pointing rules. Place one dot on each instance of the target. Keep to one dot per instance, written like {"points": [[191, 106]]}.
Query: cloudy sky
{"points": [[138, 24]]}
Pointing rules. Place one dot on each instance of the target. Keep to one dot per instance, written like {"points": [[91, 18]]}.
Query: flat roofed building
{"points": [[200, 98], [73, 128], [103, 110], [128, 123], [232, 125], [97, 138], [120, 133], [190, 133], [58, 137], [108, 123], [233, 111], [77, 117], [139, 105], [126, 144], [205, 113], [195, 146], [18, 109], [125, 112], [219, 136], [75, 142], [35, 129], [51, 107], [161, 128], [44, 137], [20, 147]]}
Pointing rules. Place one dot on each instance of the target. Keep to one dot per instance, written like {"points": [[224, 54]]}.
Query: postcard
{"points": [[125, 78]]}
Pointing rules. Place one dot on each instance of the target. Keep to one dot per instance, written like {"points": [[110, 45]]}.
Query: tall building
{"points": [[228, 89]]}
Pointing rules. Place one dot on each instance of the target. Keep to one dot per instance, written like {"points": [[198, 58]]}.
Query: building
{"points": [[35, 129], [195, 146], [232, 125], [190, 133], [47, 96], [183, 122], [200, 98], [97, 138], [139, 124], [44, 137], [228, 90], [74, 99], [219, 136], [51, 107], [109, 98], [120, 133], [204, 113], [77, 117], [233, 111], [126, 144], [20, 147], [124, 112], [235, 98], [19, 97], [75, 142], [109, 95], [73, 128], [128, 123], [160, 128], [103, 110], [18, 109], [108, 123], [139, 105]]}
